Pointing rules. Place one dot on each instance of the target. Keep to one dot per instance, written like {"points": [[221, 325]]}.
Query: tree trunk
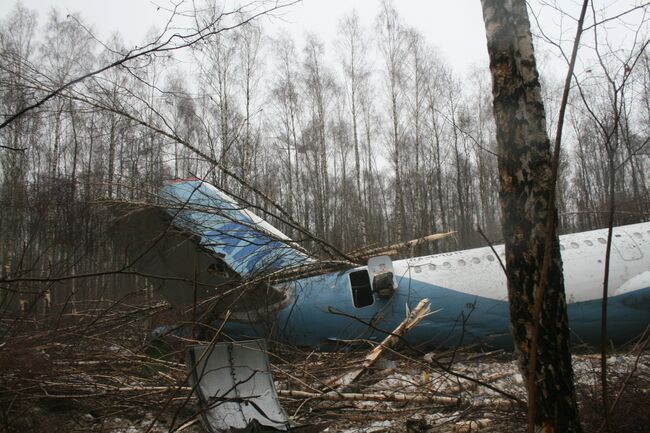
{"points": [[525, 171]]}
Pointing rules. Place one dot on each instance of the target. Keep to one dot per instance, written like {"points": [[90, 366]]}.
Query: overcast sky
{"points": [[454, 27]]}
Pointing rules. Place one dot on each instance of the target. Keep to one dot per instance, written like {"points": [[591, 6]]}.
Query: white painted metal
{"points": [[477, 272]]}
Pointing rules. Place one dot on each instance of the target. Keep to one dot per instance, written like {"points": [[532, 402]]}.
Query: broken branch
{"points": [[414, 317]]}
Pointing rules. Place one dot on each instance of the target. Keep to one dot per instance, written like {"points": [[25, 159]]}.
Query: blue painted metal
{"points": [[323, 313], [248, 245]]}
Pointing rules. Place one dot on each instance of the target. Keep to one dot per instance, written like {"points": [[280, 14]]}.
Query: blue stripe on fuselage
{"points": [[323, 312]]}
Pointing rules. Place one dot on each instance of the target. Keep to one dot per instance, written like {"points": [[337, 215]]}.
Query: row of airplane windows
{"points": [[490, 258]]}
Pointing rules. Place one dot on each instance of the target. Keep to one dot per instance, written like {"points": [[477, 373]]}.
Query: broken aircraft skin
{"points": [[467, 289]]}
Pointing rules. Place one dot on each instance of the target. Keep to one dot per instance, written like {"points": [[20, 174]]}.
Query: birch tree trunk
{"points": [[392, 46], [525, 171]]}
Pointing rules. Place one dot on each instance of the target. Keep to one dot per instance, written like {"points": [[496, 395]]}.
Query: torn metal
{"points": [[233, 383]]}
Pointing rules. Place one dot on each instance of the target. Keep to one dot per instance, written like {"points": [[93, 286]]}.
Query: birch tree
{"points": [[392, 43], [525, 172], [353, 46]]}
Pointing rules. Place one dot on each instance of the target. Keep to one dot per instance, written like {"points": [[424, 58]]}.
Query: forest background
{"points": [[368, 139]]}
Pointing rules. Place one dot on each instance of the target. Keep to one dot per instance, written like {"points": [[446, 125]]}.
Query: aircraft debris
{"points": [[235, 389], [89, 371]]}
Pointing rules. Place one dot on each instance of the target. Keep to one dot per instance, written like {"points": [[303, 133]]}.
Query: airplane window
{"points": [[490, 258], [361, 289], [574, 245], [461, 262], [446, 265], [417, 269], [589, 243], [432, 267], [602, 240], [476, 260]]}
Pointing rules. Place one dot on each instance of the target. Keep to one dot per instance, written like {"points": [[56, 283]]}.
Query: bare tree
{"points": [[318, 85], [284, 94], [529, 216], [353, 47], [610, 120], [250, 69], [392, 43]]}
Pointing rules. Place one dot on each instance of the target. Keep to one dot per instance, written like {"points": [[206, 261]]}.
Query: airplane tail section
{"points": [[245, 242], [198, 243]]}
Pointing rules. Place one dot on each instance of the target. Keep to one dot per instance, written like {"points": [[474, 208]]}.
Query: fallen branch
{"points": [[472, 426], [393, 249], [353, 396], [414, 317], [473, 385]]}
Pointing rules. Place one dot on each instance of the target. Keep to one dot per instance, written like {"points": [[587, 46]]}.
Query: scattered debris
{"points": [[236, 393], [72, 376]]}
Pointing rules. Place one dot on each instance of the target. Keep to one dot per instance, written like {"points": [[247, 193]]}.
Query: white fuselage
{"points": [[478, 272]]}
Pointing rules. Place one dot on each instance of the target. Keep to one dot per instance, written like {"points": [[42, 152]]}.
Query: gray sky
{"points": [[454, 27]]}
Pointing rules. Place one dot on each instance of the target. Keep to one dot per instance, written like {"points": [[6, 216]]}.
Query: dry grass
{"points": [[96, 372]]}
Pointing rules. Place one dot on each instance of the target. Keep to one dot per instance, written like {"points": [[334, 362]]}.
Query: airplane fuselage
{"points": [[206, 232], [467, 289]]}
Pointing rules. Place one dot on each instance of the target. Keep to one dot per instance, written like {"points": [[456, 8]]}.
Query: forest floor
{"points": [[104, 379]]}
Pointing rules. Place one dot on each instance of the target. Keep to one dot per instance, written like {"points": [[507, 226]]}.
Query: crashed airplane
{"points": [[200, 245], [230, 270]]}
